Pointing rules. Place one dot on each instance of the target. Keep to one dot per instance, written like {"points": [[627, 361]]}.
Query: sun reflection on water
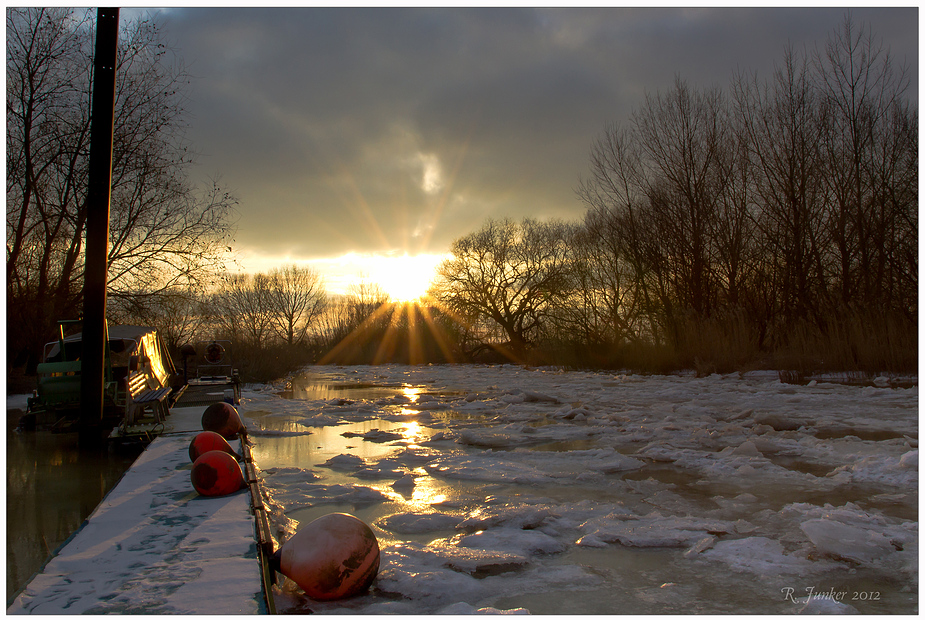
{"points": [[426, 492], [413, 433]]}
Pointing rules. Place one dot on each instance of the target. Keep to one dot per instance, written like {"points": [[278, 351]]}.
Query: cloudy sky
{"points": [[374, 132]]}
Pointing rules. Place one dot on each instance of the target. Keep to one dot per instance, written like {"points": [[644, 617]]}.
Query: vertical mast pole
{"points": [[97, 248]]}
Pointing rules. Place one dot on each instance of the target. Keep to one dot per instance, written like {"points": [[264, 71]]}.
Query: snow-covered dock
{"points": [[154, 545]]}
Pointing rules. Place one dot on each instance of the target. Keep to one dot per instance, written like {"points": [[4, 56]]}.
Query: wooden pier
{"points": [[155, 546]]}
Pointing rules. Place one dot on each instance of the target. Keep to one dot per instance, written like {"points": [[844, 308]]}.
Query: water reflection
{"points": [[313, 446], [289, 448], [312, 387], [427, 492], [52, 486], [414, 433], [411, 392]]}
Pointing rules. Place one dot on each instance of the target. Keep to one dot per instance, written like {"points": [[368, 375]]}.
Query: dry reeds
{"points": [[854, 341]]}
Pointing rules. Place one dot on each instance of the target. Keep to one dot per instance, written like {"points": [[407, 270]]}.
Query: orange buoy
{"points": [[223, 419], [206, 441], [332, 557], [217, 473]]}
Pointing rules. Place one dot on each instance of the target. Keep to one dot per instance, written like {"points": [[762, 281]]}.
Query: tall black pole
{"points": [[93, 347]]}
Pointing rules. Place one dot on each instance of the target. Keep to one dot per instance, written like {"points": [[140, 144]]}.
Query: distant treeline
{"points": [[769, 224], [280, 321]]}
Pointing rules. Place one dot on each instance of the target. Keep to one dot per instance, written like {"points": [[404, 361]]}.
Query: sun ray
{"points": [[410, 332], [355, 336], [387, 345], [356, 202], [436, 332], [448, 187]]}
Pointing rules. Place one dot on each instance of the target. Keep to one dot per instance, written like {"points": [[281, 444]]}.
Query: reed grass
{"points": [[854, 342]]}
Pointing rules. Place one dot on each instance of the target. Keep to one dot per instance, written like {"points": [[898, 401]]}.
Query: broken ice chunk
{"points": [[756, 555], [406, 483], [344, 462], [701, 545], [590, 540], [418, 523], [846, 541], [747, 449], [464, 609], [825, 606], [522, 542]]}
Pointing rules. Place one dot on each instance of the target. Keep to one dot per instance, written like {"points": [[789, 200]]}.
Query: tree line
{"points": [[280, 321], [772, 221], [274, 320]]}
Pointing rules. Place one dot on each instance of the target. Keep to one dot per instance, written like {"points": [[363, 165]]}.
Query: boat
{"points": [[135, 366], [209, 373], [208, 377], [141, 382]]}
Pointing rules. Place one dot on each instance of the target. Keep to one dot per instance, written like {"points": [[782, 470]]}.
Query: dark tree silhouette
{"points": [[507, 276], [165, 232]]}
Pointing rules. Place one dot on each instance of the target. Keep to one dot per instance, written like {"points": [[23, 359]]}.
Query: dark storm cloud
{"points": [[373, 129]]}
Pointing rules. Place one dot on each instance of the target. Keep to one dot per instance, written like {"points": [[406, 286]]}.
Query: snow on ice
{"points": [[502, 489]]}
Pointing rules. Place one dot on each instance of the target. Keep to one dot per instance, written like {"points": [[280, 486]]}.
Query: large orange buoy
{"points": [[332, 557], [206, 441], [223, 419], [217, 473]]}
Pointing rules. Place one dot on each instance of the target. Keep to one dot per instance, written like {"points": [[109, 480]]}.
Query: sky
{"points": [[363, 141]]}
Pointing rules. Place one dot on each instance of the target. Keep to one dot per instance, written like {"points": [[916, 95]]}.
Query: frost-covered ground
{"points": [[500, 488]]}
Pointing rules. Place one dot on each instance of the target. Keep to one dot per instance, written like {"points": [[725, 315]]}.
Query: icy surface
{"points": [[501, 489], [154, 546]]}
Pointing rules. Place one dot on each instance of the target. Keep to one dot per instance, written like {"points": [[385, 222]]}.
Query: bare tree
{"points": [[241, 308], [781, 126], [606, 303], [509, 275], [177, 314], [683, 136], [792, 204], [297, 298], [665, 221], [164, 232], [364, 304], [868, 143]]}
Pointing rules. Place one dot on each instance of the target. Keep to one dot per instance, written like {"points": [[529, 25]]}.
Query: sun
{"points": [[405, 278]]}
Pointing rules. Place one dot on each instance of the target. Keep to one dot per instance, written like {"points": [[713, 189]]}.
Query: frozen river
{"points": [[546, 492]]}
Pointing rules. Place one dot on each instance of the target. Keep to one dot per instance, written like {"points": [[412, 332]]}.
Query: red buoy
{"points": [[217, 473], [223, 419], [206, 441], [332, 557]]}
